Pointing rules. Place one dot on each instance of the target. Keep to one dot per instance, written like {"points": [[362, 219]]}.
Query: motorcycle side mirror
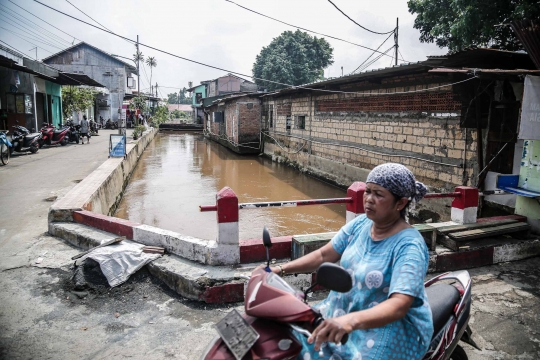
{"points": [[267, 241], [334, 277]]}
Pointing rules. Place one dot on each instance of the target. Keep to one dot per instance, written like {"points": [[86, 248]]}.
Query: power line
{"points": [[371, 31], [240, 74], [22, 53], [374, 60], [301, 28], [19, 16], [103, 26], [371, 54], [24, 37], [31, 33], [44, 21]]}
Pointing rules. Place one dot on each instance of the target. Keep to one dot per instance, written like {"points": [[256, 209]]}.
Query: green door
{"points": [[55, 106]]}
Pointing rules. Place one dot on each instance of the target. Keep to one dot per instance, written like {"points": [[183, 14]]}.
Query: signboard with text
{"points": [[529, 128], [117, 146]]}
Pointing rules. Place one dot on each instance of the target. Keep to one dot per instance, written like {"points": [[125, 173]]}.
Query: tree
{"points": [[294, 58], [458, 24], [172, 98], [152, 63], [76, 99]]}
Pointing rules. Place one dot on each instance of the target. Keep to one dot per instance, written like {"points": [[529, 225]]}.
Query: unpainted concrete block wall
{"points": [[429, 141]]}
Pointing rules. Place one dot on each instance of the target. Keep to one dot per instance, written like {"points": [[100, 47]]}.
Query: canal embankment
{"points": [[215, 270], [101, 191]]}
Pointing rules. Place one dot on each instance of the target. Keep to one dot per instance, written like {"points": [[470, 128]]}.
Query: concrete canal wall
{"points": [[101, 191]]}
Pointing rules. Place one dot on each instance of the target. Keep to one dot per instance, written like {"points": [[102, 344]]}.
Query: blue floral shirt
{"points": [[397, 264]]}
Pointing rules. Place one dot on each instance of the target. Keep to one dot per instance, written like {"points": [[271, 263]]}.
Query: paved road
{"points": [[42, 317], [28, 180]]}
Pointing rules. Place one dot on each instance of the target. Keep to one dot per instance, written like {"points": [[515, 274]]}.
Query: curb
{"points": [[222, 284]]}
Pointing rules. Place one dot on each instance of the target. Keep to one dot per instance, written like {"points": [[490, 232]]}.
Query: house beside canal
{"points": [[452, 120], [216, 88], [234, 121]]}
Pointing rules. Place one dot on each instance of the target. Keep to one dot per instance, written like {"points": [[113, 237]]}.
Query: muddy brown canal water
{"points": [[180, 171]]}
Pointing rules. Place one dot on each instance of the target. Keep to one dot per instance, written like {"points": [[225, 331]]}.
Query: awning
{"points": [[76, 79]]}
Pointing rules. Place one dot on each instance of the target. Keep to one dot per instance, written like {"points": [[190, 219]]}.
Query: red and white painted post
{"points": [[228, 242], [465, 207], [356, 192]]}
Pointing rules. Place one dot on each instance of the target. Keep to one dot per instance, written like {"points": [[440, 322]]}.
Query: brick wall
{"points": [[345, 128], [242, 120]]}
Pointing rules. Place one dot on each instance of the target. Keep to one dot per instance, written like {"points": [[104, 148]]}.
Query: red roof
{"points": [[181, 107]]}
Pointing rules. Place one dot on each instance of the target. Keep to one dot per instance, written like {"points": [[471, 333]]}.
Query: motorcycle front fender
{"points": [[276, 342]]}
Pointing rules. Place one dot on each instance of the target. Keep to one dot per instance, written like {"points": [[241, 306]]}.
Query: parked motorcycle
{"points": [[93, 127], [111, 124], [74, 131], [22, 140], [274, 308], [53, 136], [5, 147]]}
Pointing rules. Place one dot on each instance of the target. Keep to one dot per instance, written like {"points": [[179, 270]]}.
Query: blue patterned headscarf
{"points": [[399, 180]]}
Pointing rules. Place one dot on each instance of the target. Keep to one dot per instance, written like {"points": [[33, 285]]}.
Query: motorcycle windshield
{"points": [[277, 282]]}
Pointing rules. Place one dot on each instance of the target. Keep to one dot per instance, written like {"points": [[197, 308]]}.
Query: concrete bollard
{"points": [[356, 192], [465, 207], [227, 217]]}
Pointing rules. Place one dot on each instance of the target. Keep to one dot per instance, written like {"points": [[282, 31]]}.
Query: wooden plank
{"points": [[107, 243], [429, 233], [491, 231], [450, 229]]}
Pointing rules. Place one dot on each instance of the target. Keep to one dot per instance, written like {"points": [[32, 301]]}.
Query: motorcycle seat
{"points": [[58, 131], [33, 135], [442, 299]]}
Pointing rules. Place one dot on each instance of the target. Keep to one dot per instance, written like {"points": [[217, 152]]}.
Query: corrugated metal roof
{"points": [[131, 67], [528, 32]]}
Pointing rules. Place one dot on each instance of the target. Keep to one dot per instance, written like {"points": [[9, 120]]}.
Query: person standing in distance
{"points": [[84, 130]]}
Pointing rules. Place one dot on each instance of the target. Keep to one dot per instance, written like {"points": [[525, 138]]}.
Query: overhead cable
{"points": [[91, 18], [23, 18], [25, 37], [240, 74], [103, 26], [348, 17], [371, 55], [22, 53], [29, 32], [44, 21], [301, 28]]}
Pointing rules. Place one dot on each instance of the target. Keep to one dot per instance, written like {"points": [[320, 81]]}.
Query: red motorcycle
{"points": [[274, 308], [53, 136]]}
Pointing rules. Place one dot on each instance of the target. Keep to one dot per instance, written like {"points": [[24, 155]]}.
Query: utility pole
{"points": [[36, 51], [156, 89], [396, 33], [178, 99], [138, 78]]}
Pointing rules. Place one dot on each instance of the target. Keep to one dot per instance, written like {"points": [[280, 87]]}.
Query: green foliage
{"points": [[458, 24], [138, 56], [152, 63], [161, 114], [177, 114], [138, 103], [173, 98], [137, 132], [292, 58], [76, 99]]}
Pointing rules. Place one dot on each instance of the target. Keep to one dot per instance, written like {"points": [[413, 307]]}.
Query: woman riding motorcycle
{"points": [[386, 314]]}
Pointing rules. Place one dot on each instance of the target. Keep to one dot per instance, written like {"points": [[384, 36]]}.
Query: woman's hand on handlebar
{"points": [[333, 330], [274, 269]]}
